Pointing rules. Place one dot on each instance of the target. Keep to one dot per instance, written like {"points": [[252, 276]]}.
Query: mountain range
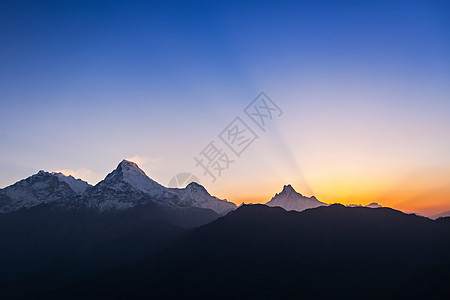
{"points": [[52, 224], [125, 187], [261, 252], [130, 237]]}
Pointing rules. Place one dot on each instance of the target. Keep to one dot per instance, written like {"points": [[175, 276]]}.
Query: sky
{"points": [[362, 87]]}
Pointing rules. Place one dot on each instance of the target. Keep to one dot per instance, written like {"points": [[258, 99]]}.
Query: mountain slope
{"points": [[125, 187], [128, 186], [289, 199], [195, 195], [54, 228], [77, 185], [128, 176], [441, 215], [41, 188], [258, 251], [46, 246]]}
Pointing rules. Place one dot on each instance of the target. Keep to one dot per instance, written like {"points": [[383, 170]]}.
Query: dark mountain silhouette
{"points": [[441, 215], [130, 237], [263, 252], [54, 228], [45, 246]]}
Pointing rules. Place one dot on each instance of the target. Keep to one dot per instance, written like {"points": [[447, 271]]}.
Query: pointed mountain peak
{"points": [[77, 185], [39, 188], [129, 173], [39, 176], [125, 162], [195, 185], [373, 205], [196, 195], [289, 199], [130, 166], [127, 169], [288, 189], [42, 173], [59, 173]]}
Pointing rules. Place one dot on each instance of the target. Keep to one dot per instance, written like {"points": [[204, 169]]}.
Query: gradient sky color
{"points": [[364, 86]]}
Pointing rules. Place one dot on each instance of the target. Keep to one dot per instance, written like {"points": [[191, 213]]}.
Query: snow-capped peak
{"points": [[77, 185], [130, 167], [288, 189], [374, 205], [129, 173], [42, 187], [196, 186], [196, 195], [125, 187], [371, 205], [289, 199]]}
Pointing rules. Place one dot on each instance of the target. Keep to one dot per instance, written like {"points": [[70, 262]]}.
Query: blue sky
{"points": [[364, 86]]}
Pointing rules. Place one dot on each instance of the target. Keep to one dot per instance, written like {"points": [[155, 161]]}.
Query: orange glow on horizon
{"points": [[425, 197], [405, 204]]}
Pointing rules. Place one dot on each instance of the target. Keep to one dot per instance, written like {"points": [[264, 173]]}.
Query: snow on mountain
{"points": [[441, 215], [354, 205], [125, 187], [129, 173], [197, 196], [289, 199], [40, 188], [128, 186], [77, 185], [373, 205]]}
